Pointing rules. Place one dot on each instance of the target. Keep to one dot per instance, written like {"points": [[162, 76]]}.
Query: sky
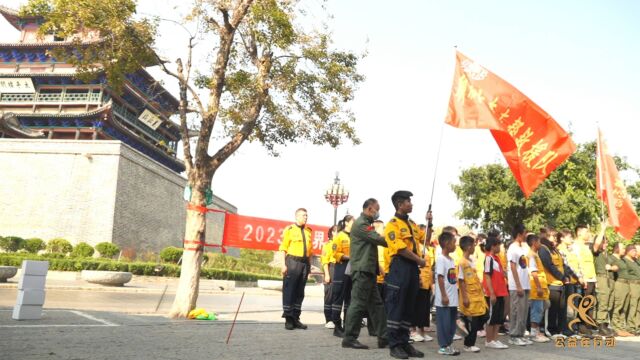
{"points": [[578, 60]]}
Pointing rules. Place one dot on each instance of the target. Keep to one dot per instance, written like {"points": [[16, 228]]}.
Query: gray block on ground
{"points": [[30, 297], [32, 282], [27, 312], [32, 267]]}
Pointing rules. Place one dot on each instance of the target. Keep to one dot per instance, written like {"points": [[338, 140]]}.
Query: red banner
{"points": [[530, 140], [611, 190], [248, 232]]}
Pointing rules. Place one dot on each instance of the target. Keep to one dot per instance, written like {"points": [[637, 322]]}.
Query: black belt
{"points": [[302, 259]]}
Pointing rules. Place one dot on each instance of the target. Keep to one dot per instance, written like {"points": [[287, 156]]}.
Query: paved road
{"points": [[106, 335], [72, 328]]}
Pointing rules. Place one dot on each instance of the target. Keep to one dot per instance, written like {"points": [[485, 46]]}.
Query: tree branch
{"points": [[252, 116], [226, 36]]}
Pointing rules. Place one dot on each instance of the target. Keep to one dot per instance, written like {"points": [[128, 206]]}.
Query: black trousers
{"points": [[473, 324], [293, 286], [327, 296], [340, 292], [557, 318], [422, 310], [401, 290]]}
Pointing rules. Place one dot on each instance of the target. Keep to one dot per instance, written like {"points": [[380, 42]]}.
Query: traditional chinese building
{"points": [[40, 98], [79, 160]]}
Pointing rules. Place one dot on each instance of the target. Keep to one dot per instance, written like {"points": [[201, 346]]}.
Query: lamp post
{"points": [[336, 195]]}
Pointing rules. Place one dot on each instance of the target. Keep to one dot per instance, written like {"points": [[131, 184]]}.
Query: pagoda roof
{"points": [[106, 109], [103, 119], [13, 16]]}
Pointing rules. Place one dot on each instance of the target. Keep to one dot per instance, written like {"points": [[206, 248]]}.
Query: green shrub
{"points": [[107, 249], [258, 256], [34, 245], [222, 261], [171, 254], [82, 250], [11, 243], [60, 246], [137, 268]]}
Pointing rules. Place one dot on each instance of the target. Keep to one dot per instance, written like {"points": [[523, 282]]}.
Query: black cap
{"points": [[400, 195]]}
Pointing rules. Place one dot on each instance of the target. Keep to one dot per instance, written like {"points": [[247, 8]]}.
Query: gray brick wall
{"points": [[93, 191]]}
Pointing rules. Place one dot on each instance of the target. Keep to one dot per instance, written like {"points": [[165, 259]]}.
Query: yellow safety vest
{"points": [[477, 303], [327, 254], [556, 260], [586, 262], [542, 278]]}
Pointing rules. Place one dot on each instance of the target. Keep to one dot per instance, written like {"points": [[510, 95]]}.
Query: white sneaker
{"points": [[526, 333], [471, 349], [427, 337], [541, 339], [501, 344], [482, 333], [457, 337], [329, 325], [454, 351], [517, 341], [416, 337], [526, 341], [558, 336]]}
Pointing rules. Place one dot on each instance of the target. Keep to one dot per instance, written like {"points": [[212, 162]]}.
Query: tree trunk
{"points": [[187, 292]]}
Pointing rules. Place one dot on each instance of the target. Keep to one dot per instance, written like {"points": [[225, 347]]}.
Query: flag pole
{"points": [[433, 186], [599, 160]]}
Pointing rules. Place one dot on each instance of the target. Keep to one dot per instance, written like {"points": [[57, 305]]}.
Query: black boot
{"points": [[353, 344], [298, 325], [398, 353], [412, 352], [288, 324], [338, 331], [382, 343]]}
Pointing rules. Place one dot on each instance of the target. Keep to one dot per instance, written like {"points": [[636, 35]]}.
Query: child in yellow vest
{"points": [[473, 305], [539, 295]]}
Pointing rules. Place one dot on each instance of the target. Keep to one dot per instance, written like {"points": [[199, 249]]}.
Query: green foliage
{"points": [[82, 250], [258, 256], [59, 245], [222, 261], [11, 243], [124, 44], [136, 268], [171, 254], [107, 249], [34, 245], [491, 197]]}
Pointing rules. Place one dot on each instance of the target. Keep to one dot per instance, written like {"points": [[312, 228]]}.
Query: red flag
{"points": [[611, 190], [530, 140]]}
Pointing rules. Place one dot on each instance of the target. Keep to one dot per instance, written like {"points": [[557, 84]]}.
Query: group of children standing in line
{"points": [[477, 282]]}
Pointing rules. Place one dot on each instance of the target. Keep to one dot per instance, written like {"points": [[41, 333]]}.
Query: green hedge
{"points": [[221, 261], [136, 268]]}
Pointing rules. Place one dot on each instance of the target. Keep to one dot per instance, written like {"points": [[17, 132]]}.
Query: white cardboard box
{"points": [[27, 312], [32, 267], [32, 282], [30, 297]]}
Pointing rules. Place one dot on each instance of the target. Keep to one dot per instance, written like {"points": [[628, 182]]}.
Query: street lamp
{"points": [[336, 195]]}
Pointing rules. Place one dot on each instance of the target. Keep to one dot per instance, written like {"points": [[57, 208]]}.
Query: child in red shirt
{"points": [[496, 288]]}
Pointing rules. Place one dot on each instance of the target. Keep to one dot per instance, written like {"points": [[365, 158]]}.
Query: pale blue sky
{"points": [[578, 60]]}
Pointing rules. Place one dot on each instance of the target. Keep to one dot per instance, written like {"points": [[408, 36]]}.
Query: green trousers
{"points": [[365, 298], [633, 319], [604, 299], [620, 305]]}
